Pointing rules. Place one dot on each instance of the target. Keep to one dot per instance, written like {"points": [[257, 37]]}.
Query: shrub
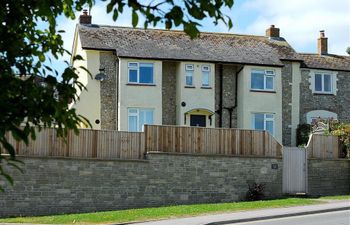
{"points": [[343, 131], [303, 133], [255, 192]]}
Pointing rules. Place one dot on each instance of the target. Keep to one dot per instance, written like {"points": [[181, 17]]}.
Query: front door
{"points": [[198, 121]]}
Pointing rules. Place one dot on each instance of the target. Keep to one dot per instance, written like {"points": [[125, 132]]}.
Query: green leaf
{"points": [[135, 18]]}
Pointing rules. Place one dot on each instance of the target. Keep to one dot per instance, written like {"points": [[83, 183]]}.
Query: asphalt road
{"points": [[331, 218]]}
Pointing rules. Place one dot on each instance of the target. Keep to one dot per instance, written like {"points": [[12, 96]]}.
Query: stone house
{"points": [[218, 80]]}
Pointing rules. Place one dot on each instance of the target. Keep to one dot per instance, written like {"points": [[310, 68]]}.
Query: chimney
{"points": [[273, 32], [85, 18], [322, 44]]}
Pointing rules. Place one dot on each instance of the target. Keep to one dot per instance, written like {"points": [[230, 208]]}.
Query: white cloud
{"points": [[300, 21]]}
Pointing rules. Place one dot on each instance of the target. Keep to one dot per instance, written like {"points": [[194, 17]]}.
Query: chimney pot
{"points": [[85, 18], [273, 32], [322, 44]]}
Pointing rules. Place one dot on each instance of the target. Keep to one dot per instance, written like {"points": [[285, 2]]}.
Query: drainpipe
{"points": [[221, 69]]}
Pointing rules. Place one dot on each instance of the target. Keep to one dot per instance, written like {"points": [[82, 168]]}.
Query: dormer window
{"points": [[263, 80]]}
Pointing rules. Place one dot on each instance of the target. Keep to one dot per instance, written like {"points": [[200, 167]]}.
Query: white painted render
{"points": [[250, 102], [88, 104], [139, 96], [296, 80], [199, 100]]}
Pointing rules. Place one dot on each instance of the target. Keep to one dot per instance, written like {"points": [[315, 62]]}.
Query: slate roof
{"points": [[176, 45], [331, 62]]}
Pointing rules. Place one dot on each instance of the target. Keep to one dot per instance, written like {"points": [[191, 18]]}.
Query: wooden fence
{"points": [[323, 146], [100, 144], [210, 141]]}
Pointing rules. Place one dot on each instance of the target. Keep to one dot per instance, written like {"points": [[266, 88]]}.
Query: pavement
{"points": [[253, 215]]}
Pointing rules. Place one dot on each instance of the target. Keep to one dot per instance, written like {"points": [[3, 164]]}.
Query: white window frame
{"points": [[322, 83], [312, 81], [267, 73], [206, 68], [138, 72], [189, 68], [266, 119], [137, 114]]}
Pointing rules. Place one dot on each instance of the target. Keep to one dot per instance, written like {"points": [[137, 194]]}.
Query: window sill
{"points": [[204, 87], [189, 86], [140, 84], [323, 93], [264, 91]]}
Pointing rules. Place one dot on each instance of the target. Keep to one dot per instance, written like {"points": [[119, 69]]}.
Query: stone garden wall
{"points": [[56, 186]]}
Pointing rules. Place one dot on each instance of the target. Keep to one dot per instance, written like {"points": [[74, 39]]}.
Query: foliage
{"points": [[187, 13], [255, 192], [343, 131], [24, 47], [303, 132], [348, 50]]}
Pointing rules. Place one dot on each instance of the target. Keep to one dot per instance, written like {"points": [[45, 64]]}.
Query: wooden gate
{"points": [[294, 170]]}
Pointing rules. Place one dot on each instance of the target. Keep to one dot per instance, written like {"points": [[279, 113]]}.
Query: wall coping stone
{"points": [[82, 159], [214, 156], [342, 160]]}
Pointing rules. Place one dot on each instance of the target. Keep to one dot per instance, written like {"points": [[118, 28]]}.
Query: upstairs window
{"points": [[138, 117], [205, 76], [263, 121], [263, 80], [323, 83], [140, 73], [189, 69]]}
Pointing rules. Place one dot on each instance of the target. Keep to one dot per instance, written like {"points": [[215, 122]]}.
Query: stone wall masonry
{"points": [[108, 91], [57, 186], [229, 86], [287, 72], [339, 103], [328, 177], [169, 93]]}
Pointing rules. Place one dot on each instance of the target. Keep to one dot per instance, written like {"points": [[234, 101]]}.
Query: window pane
{"points": [[132, 123], [269, 82], [146, 73], [269, 126], [146, 117], [318, 82], [132, 75], [189, 77], [133, 65], [327, 83], [269, 116], [205, 78], [149, 117], [257, 80], [259, 121], [142, 118]]}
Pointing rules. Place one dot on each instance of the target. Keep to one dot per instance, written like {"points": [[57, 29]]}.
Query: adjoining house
{"points": [[218, 80]]}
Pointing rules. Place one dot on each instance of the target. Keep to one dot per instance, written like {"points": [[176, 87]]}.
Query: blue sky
{"points": [[299, 20]]}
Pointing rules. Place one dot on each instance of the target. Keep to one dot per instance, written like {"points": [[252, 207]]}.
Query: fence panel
{"points": [[323, 146], [195, 140], [101, 144]]}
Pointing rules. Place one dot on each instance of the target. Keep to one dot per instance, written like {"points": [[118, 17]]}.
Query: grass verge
{"points": [[158, 213], [338, 197]]}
